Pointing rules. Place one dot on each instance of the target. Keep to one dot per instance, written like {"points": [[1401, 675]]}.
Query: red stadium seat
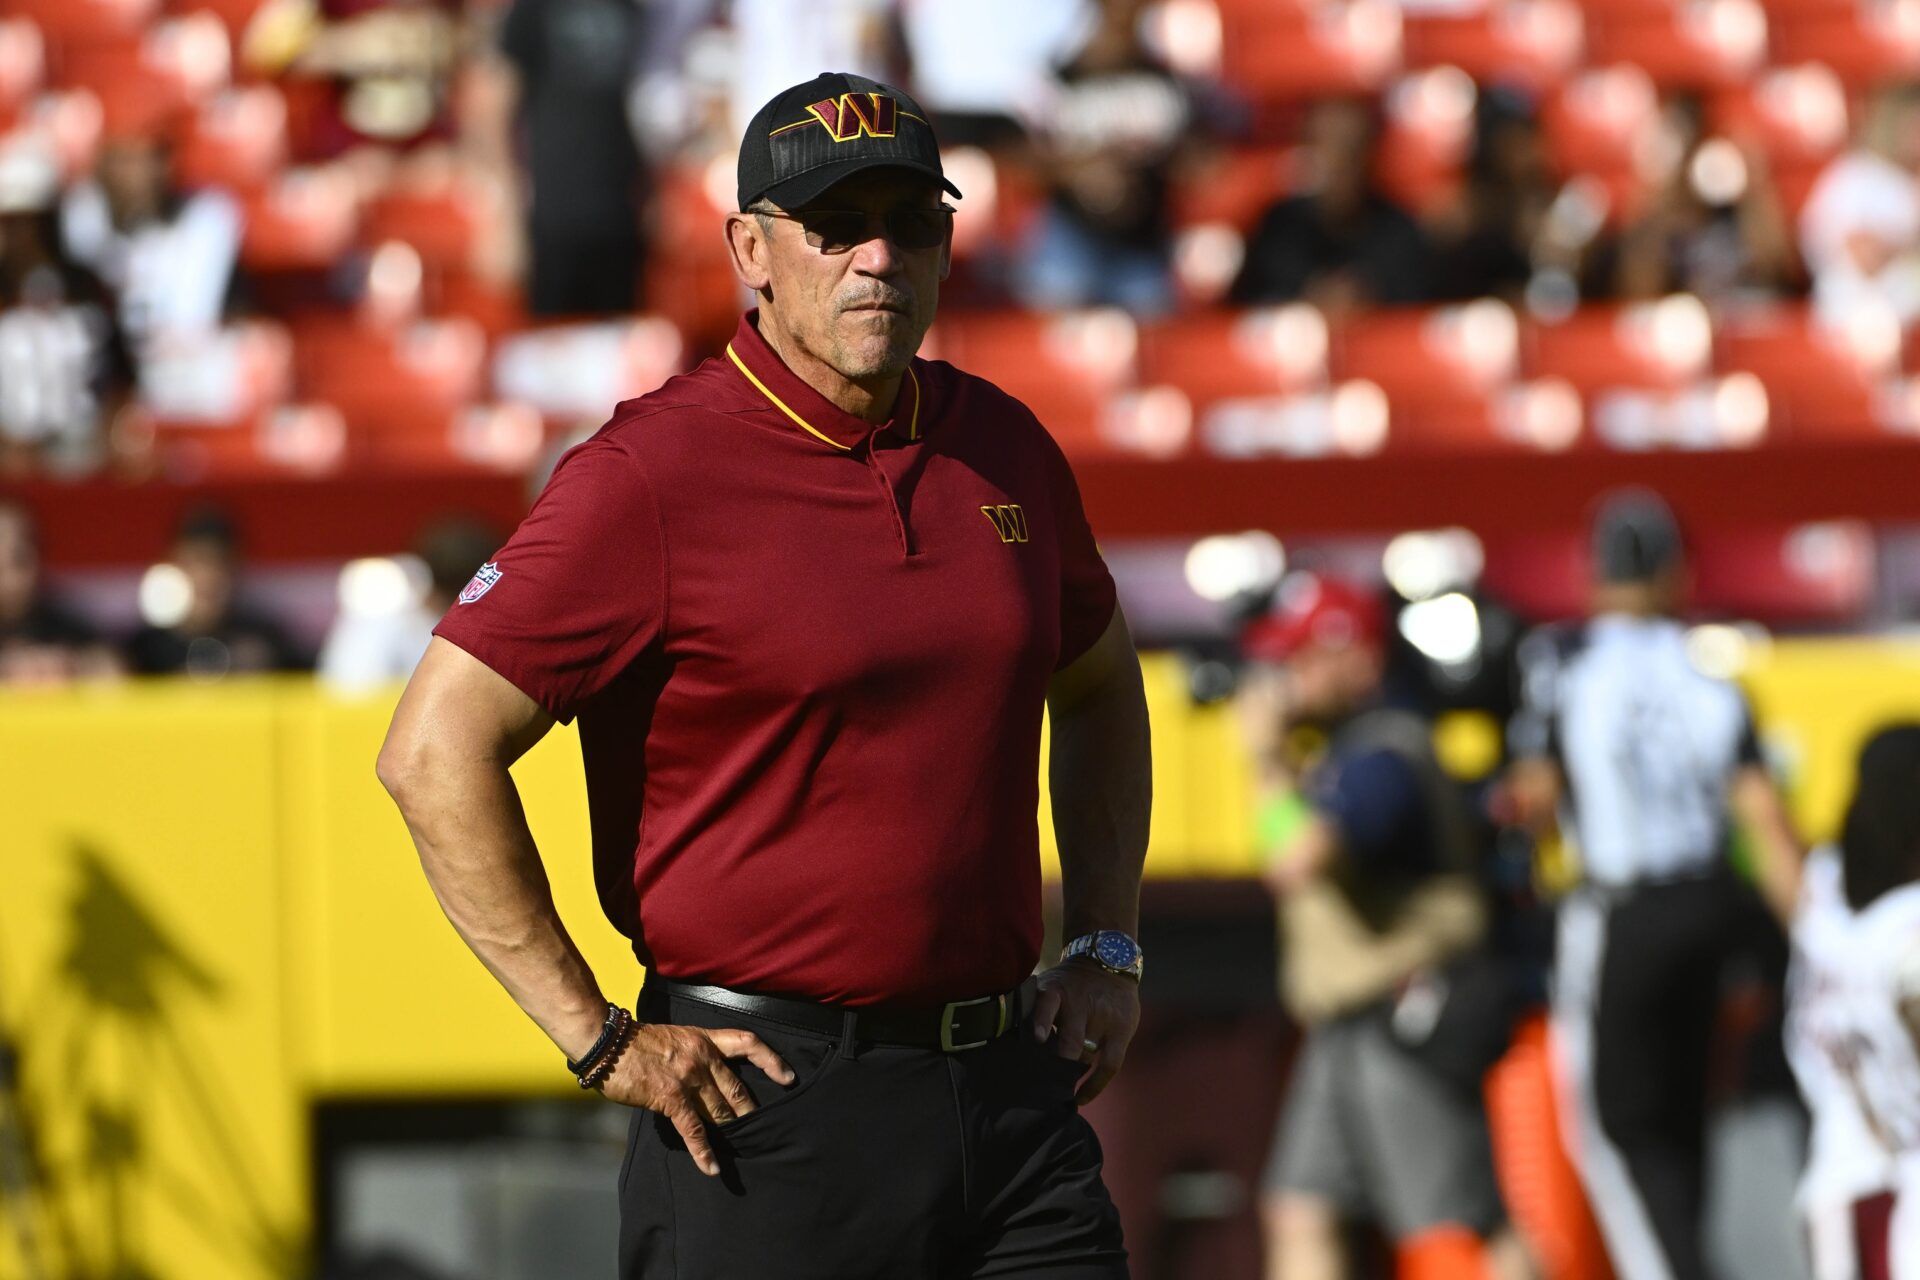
{"points": [[689, 279], [148, 81], [218, 380], [1335, 48], [1825, 384], [1450, 375], [1265, 351], [237, 139], [82, 21], [577, 372], [1067, 368], [1702, 45], [412, 379], [1537, 43], [1875, 41], [1657, 346], [1796, 115], [304, 222], [1428, 136], [1594, 125], [495, 437], [1233, 187], [445, 221]]}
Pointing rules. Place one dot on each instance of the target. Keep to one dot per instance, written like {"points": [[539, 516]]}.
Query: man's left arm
{"points": [[1101, 782]]}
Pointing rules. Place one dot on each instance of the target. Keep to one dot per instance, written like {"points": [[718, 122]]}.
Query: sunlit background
{"points": [[300, 299]]}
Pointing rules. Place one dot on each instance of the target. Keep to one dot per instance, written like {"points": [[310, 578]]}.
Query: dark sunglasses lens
{"points": [[835, 230], [917, 228]]}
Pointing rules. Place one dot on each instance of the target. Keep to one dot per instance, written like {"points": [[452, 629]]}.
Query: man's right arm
{"points": [[458, 729]]}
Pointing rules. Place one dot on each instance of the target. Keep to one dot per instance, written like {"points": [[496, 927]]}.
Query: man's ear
{"points": [[749, 252]]}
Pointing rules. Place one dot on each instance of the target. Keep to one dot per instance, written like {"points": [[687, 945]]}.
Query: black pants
{"points": [[877, 1162], [1637, 994]]}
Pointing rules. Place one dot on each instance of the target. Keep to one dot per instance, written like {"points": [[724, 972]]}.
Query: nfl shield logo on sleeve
{"points": [[482, 583]]}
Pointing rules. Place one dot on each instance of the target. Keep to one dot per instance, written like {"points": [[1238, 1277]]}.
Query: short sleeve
{"points": [[1374, 799], [580, 590], [1087, 596]]}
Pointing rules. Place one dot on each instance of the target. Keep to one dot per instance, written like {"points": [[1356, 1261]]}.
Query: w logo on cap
{"points": [[852, 114]]}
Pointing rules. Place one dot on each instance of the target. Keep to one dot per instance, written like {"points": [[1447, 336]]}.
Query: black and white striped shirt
{"points": [[1645, 741]]}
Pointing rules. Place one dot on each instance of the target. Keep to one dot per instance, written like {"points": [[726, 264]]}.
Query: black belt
{"points": [[956, 1025]]}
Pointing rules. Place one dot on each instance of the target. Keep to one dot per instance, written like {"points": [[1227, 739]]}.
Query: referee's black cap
{"points": [[833, 126], [1635, 537]]}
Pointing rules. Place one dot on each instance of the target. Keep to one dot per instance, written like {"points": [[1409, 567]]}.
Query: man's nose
{"points": [[877, 254]]}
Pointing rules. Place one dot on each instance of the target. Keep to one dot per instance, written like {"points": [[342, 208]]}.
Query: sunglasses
{"points": [[839, 230]]}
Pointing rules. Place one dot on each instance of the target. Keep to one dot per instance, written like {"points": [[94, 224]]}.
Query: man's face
{"points": [[862, 311], [210, 569], [1326, 683]]}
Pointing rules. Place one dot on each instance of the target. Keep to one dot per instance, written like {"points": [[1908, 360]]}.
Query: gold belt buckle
{"points": [[947, 1015]]}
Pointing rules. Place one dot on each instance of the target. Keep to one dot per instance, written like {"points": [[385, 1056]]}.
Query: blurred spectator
{"points": [[1860, 229], [985, 68], [1107, 143], [575, 60], [196, 622], [1712, 227], [167, 255], [1371, 852], [1502, 232], [40, 642], [783, 42], [1339, 243], [61, 364], [359, 71], [375, 641]]}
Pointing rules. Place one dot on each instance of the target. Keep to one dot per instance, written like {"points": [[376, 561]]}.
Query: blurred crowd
{"points": [[1084, 123]]}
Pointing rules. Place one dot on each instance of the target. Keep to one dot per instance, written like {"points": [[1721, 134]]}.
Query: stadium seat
{"points": [[496, 437], [1701, 45], [146, 82], [577, 372], [1233, 187], [1795, 115], [444, 220], [237, 139], [1264, 351], [1826, 384], [1535, 43], [218, 380], [1450, 376], [82, 21], [1593, 125], [304, 222], [1864, 44], [1427, 138], [408, 380], [688, 277], [1660, 346], [1067, 368], [1339, 47], [23, 67]]}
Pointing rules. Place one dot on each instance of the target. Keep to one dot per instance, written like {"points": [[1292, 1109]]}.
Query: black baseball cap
{"points": [[1635, 537], [835, 125]]}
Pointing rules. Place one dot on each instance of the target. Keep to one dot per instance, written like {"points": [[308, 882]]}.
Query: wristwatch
{"points": [[1115, 952]]}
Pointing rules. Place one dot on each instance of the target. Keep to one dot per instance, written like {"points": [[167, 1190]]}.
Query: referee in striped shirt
{"points": [[1648, 764]]}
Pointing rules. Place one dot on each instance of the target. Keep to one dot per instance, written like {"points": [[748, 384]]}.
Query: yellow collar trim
{"points": [[778, 403], [913, 421]]}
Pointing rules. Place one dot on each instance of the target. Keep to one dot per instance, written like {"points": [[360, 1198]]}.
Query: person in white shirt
{"points": [[374, 642], [1860, 229], [1853, 1022]]}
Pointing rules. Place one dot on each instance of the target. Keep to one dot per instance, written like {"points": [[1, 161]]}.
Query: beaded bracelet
{"points": [[607, 1031], [596, 1074]]}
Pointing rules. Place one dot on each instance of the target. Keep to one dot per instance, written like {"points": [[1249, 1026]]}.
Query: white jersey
{"points": [[1855, 1059]]}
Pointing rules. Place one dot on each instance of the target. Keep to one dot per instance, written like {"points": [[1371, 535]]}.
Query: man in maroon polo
{"points": [[808, 603]]}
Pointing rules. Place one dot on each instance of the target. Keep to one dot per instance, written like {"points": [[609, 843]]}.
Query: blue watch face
{"points": [[1115, 950]]}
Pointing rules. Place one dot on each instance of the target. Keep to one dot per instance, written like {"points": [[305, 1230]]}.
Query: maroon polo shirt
{"points": [[809, 657]]}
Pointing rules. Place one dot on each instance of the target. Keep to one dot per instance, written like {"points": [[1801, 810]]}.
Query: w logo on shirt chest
{"points": [[1009, 521]]}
